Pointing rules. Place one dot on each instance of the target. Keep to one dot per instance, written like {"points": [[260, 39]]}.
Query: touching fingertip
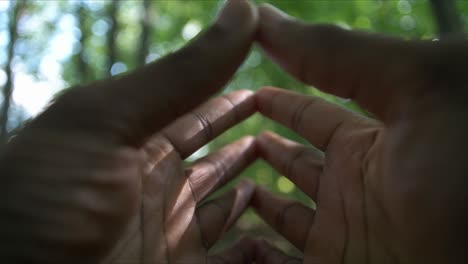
{"points": [[267, 91], [267, 134], [247, 184], [246, 92], [265, 138], [237, 13], [271, 15], [239, 96], [249, 139]]}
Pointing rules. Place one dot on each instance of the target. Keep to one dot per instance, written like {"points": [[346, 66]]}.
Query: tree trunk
{"points": [[145, 33], [447, 17], [82, 65], [112, 34], [15, 13]]}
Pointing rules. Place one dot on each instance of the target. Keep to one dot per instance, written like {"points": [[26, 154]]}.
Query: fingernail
{"points": [[233, 13], [271, 15]]}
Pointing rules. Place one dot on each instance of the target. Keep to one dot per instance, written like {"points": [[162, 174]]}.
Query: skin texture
{"points": [[388, 190], [99, 176]]}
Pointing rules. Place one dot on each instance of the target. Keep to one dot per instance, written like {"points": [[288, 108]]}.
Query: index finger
{"points": [[128, 109], [318, 121], [376, 70]]}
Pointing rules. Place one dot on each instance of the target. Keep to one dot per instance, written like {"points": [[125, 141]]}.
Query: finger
{"points": [[289, 218], [268, 254], [373, 69], [302, 165], [212, 171], [243, 252], [130, 108], [318, 121], [197, 128], [215, 217]]}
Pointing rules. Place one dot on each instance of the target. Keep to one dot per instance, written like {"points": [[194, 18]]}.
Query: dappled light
{"points": [[47, 47]]}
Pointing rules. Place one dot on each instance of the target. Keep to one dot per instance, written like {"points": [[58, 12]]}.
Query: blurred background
{"points": [[47, 46]]}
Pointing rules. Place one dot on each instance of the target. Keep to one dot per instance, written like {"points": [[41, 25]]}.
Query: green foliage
{"points": [[174, 22]]}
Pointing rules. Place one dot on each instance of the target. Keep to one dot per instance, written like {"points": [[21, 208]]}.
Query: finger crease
{"points": [[206, 125], [167, 137], [298, 115], [333, 133], [237, 116], [190, 183], [220, 169]]}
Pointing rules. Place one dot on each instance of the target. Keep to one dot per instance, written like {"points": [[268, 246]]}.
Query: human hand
{"points": [[390, 189], [104, 162], [173, 225]]}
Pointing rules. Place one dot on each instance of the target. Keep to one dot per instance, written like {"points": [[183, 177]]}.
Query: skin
{"points": [[389, 189], [99, 176]]}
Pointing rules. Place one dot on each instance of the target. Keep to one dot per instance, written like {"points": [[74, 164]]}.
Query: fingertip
{"points": [[263, 98], [247, 185], [271, 15], [267, 135], [263, 140], [267, 92], [247, 140], [267, 143], [267, 89], [244, 92], [242, 102], [239, 96], [238, 14]]}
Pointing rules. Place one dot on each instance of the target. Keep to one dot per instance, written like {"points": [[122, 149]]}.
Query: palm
{"points": [[146, 199], [387, 191], [169, 228], [373, 183], [76, 179]]}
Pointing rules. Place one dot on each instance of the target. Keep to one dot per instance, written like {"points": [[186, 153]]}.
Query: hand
{"points": [[390, 189], [173, 225], [104, 162]]}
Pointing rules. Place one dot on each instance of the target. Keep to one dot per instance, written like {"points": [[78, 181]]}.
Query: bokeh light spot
{"points": [[404, 7], [407, 23], [191, 29], [118, 68], [285, 185]]}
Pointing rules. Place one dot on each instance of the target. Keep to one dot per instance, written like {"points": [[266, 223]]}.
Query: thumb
{"points": [[128, 109], [370, 68]]}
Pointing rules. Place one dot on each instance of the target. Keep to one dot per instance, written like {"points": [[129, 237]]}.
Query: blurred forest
{"points": [[47, 46]]}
